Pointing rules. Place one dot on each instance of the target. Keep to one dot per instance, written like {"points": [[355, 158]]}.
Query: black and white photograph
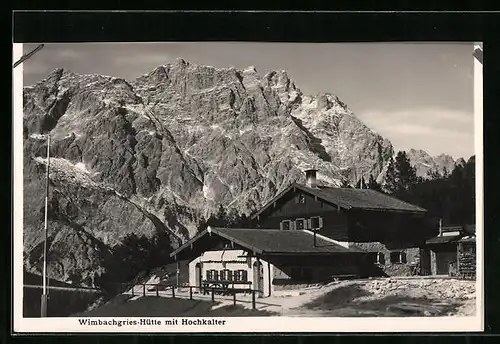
{"points": [[188, 186]]}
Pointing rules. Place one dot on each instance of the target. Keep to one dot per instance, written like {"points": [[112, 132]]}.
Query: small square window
{"points": [[301, 198], [285, 225], [398, 257], [299, 224]]}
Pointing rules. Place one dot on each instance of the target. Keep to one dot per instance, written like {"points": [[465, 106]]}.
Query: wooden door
{"points": [[258, 277], [425, 262], [198, 274], [443, 260]]}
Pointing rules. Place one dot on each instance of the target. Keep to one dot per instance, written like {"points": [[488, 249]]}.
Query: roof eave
{"points": [[237, 241], [272, 253], [218, 232], [277, 197], [303, 188], [188, 243], [422, 211]]}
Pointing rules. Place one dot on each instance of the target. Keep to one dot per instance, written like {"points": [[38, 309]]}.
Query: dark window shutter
{"points": [[403, 257], [381, 258], [244, 275]]}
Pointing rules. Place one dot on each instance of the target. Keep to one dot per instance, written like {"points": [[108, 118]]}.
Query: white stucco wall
{"points": [[225, 263]]}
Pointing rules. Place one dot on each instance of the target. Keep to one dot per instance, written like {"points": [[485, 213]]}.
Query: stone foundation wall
{"points": [[392, 269]]}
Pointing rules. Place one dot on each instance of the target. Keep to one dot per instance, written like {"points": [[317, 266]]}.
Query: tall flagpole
{"points": [[44, 274]]}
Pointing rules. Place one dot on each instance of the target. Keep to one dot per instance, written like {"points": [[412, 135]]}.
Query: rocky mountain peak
{"points": [[161, 152], [460, 162], [425, 163]]}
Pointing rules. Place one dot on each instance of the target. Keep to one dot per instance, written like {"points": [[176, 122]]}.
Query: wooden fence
{"points": [[171, 291]]}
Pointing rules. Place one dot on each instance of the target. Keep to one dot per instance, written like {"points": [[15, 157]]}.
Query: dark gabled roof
{"points": [[464, 233], [444, 239], [468, 239], [363, 199], [274, 241], [348, 198]]}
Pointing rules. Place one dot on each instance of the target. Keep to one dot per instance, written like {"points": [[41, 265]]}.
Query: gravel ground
{"points": [[378, 297]]}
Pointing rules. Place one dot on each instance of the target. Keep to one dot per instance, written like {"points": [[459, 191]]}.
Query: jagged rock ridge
{"points": [[160, 152], [426, 164]]}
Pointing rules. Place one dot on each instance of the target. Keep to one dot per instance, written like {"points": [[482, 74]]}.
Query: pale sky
{"points": [[416, 95]]}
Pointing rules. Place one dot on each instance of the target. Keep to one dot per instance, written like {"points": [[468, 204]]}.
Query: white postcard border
{"points": [[238, 324]]}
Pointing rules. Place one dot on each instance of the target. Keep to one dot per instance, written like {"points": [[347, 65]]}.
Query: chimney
{"points": [[311, 178]]}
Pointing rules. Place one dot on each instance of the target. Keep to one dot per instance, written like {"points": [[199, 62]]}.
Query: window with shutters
{"points": [[300, 198], [300, 224], [285, 225], [209, 275], [215, 275], [244, 275], [237, 275], [225, 275], [315, 222], [398, 257]]}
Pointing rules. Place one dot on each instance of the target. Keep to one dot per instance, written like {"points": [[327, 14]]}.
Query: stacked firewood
{"points": [[467, 260]]}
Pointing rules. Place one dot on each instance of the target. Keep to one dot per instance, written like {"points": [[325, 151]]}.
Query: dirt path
{"points": [[378, 297], [389, 297]]}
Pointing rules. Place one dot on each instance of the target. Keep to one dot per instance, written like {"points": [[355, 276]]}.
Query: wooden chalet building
{"points": [[311, 233]]}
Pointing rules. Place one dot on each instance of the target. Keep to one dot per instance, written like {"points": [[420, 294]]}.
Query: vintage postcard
{"points": [[248, 187]]}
